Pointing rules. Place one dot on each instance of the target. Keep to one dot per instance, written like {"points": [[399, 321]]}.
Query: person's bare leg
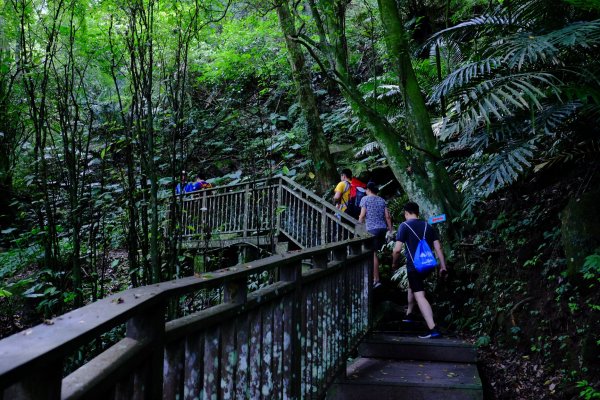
{"points": [[411, 302], [375, 268], [425, 308]]}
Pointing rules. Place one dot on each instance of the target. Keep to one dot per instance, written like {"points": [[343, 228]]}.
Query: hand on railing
{"points": [[389, 236]]}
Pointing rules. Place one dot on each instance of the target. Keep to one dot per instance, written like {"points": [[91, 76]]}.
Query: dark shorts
{"points": [[415, 280], [378, 238]]}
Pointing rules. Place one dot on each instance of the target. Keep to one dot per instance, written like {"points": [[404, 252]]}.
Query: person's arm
{"points": [[336, 197], [338, 192], [440, 255], [363, 215], [396, 254], [388, 220]]}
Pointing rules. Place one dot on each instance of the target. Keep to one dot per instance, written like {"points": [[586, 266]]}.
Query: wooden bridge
{"points": [[260, 212], [282, 327]]}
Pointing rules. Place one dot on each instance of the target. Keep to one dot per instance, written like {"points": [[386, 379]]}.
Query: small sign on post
{"points": [[436, 219]]}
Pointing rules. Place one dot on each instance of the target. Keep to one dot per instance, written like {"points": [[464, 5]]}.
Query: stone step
{"points": [[404, 347], [383, 379]]}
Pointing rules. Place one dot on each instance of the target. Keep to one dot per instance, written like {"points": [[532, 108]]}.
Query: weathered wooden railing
{"points": [[285, 340], [259, 209]]}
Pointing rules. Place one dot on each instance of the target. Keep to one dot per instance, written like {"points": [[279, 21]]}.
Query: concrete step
{"points": [[383, 379], [410, 347]]}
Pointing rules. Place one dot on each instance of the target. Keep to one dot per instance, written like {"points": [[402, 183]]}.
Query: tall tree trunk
{"points": [[152, 174], [8, 138], [139, 43], [69, 83], [8, 141], [318, 147], [413, 157], [132, 234], [37, 92], [418, 121]]}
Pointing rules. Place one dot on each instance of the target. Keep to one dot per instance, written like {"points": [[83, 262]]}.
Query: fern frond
{"points": [[526, 48], [553, 118], [484, 21], [368, 149], [505, 167], [463, 76], [580, 151], [530, 12], [578, 34], [450, 52], [498, 98], [388, 91]]}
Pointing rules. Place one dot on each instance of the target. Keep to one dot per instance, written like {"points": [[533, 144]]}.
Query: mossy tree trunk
{"points": [[413, 155], [9, 135], [417, 117], [318, 147], [580, 222]]}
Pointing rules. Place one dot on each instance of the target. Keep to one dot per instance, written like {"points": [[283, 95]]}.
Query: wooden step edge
{"points": [[422, 353], [409, 340], [433, 385]]}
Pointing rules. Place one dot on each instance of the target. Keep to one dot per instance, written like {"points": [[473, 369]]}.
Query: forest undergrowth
{"points": [[535, 326]]}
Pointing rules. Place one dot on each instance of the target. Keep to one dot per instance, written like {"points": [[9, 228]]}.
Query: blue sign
{"points": [[437, 219]]}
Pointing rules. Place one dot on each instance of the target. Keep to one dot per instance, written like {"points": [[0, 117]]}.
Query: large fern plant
{"points": [[519, 81]]}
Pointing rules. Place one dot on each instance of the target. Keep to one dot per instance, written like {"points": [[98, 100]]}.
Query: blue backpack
{"points": [[424, 259]]}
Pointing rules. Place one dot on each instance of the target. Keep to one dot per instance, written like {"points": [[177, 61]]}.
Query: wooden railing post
{"points": [[236, 291], [292, 355], [340, 253], [246, 210], [323, 226], [356, 248], [320, 260], [278, 204], [150, 325]]}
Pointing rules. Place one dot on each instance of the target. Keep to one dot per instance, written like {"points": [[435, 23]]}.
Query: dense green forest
{"points": [[485, 110]]}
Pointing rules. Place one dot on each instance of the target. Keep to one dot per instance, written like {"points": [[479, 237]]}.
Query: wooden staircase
{"points": [[393, 363]]}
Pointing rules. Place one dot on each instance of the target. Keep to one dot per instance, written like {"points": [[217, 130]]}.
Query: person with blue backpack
{"points": [[419, 237]]}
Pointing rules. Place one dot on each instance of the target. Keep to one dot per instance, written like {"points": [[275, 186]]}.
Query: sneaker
{"points": [[432, 334], [376, 285], [410, 318]]}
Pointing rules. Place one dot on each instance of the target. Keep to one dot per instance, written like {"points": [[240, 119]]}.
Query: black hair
{"points": [[347, 172], [372, 186], [412, 208]]}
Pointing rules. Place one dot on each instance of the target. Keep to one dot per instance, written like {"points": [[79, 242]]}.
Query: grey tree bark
{"points": [[318, 147]]}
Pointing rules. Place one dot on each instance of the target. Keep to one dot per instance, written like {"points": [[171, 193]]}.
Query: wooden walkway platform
{"points": [[399, 365]]}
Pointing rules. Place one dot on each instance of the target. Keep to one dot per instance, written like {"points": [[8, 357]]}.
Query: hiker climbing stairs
{"points": [[399, 365]]}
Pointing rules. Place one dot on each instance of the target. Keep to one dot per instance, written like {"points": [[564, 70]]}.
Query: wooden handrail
{"points": [[307, 322], [228, 213], [294, 308]]}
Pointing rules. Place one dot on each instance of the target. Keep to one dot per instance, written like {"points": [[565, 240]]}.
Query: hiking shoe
{"points": [[432, 334], [376, 285], [410, 318]]}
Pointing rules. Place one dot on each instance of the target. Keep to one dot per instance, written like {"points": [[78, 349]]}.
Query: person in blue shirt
{"points": [[181, 184], [408, 234], [199, 184]]}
